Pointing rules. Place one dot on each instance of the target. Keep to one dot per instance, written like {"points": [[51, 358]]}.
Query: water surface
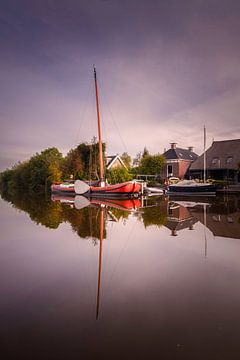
{"points": [[168, 285]]}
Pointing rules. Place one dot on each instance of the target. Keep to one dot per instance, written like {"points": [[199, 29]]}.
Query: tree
{"points": [[118, 175], [83, 161], [145, 152], [151, 164], [33, 175], [126, 159]]}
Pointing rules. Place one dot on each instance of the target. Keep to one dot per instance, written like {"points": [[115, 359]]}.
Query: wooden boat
{"points": [[126, 189], [129, 189], [65, 187]]}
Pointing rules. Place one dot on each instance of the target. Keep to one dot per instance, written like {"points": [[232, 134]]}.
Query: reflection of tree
{"points": [[40, 209], [154, 216], [85, 222], [119, 214]]}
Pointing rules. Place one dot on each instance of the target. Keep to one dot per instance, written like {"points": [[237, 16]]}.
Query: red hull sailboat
{"points": [[129, 188], [126, 189]]}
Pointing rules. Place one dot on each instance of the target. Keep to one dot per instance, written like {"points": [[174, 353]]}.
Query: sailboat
{"points": [[191, 187], [128, 189]]}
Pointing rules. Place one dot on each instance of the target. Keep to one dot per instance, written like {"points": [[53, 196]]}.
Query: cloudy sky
{"points": [[165, 68]]}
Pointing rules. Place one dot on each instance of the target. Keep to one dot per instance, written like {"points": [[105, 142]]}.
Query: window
{"points": [[169, 170], [229, 159], [215, 160]]}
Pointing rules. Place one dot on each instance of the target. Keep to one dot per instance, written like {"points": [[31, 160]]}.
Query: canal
{"points": [[155, 278]]}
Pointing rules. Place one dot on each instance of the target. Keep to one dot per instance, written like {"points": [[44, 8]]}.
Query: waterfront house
{"points": [[178, 161], [222, 162]]}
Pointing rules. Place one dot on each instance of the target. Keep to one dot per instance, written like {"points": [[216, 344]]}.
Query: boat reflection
{"points": [[221, 215], [80, 202]]}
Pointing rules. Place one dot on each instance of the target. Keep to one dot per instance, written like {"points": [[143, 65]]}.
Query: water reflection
{"points": [[221, 215], [146, 269]]}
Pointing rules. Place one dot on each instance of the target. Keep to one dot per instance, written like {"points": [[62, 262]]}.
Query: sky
{"points": [[165, 68]]}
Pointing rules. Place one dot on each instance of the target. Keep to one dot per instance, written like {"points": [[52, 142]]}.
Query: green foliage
{"points": [[126, 159], [83, 161], [151, 164], [118, 175], [37, 174], [154, 216], [34, 175]]}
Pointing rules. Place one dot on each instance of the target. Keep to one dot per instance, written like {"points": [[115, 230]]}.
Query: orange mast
{"points": [[99, 129]]}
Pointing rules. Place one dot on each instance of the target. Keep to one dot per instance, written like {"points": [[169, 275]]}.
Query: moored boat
{"points": [[126, 189], [65, 187], [191, 187], [129, 189]]}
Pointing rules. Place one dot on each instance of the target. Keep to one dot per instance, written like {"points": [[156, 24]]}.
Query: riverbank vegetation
{"points": [[41, 170]]}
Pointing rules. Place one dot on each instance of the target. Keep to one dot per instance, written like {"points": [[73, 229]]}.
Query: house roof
{"points": [[180, 154], [221, 155], [112, 159]]}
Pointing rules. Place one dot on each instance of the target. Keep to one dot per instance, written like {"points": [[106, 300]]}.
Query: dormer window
{"points": [[229, 159]]}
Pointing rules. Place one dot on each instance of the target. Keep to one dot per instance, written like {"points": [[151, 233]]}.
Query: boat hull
{"points": [[200, 190], [127, 189], [61, 188]]}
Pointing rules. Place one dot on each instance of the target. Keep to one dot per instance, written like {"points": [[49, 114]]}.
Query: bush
{"points": [[118, 175]]}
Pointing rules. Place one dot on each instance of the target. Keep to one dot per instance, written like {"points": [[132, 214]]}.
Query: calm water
{"points": [[107, 281]]}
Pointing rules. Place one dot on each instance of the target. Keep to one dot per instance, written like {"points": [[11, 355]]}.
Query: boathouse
{"points": [[222, 162], [178, 161]]}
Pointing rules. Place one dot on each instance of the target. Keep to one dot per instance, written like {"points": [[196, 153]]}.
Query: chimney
{"points": [[173, 145], [190, 148]]}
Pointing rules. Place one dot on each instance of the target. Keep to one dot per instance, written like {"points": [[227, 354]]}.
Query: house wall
{"points": [[233, 176], [183, 167], [179, 169], [116, 164]]}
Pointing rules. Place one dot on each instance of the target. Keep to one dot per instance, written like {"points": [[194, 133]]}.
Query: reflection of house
{"points": [[113, 162], [224, 225], [179, 218], [221, 161], [177, 161]]}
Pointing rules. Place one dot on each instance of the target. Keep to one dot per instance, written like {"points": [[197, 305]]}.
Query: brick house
{"points": [[178, 161]]}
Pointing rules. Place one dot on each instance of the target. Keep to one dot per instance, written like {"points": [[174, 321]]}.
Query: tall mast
{"points": [[204, 155], [99, 128]]}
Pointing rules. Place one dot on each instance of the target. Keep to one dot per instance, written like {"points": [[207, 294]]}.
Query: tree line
{"points": [[42, 169]]}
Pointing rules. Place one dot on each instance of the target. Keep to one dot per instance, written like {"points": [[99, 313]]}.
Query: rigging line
{"points": [[112, 118], [120, 255], [82, 115]]}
